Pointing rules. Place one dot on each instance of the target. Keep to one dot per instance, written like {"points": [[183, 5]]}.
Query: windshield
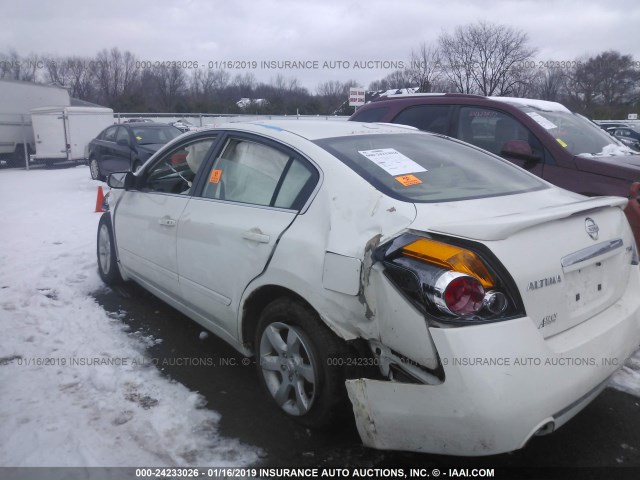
{"points": [[577, 134], [151, 135], [421, 167]]}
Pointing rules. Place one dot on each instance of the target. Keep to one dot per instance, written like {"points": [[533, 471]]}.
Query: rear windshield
{"points": [[422, 167], [155, 135]]}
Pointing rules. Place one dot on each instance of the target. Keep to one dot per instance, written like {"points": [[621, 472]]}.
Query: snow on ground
{"points": [[628, 378], [53, 413], [113, 410]]}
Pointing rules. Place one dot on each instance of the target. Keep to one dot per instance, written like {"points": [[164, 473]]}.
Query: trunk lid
{"points": [[570, 256]]}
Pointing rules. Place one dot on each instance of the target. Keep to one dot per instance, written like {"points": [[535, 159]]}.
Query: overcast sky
{"points": [[299, 30]]}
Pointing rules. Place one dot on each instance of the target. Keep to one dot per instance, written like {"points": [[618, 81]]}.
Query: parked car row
{"points": [[542, 137], [402, 272], [627, 135]]}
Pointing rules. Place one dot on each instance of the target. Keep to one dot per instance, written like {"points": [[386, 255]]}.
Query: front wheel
{"points": [[107, 263], [299, 363], [94, 168]]}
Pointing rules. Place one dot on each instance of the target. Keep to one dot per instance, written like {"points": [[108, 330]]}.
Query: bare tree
{"points": [[333, 94], [116, 74], [395, 80], [170, 83], [426, 67], [81, 80], [458, 54], [485, 58], [549, 84], [244, 83], [330, 89], [208, 83], [15, 67]]}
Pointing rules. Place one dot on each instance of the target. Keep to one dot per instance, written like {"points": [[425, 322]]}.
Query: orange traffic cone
{"points": [[100, 200]]}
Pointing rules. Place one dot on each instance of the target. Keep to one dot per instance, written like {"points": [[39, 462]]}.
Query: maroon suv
{"points": [[543, 137]]}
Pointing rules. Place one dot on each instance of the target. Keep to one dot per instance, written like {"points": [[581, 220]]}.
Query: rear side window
{"points": [[425, 168], [430, 118], [370, 115], [258, 174]]}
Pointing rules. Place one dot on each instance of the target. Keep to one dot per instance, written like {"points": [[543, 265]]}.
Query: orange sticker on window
{"points": [[215, 176], [408, 180]]}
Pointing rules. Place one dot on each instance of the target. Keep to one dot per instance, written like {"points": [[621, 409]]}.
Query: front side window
{"points": [[425, 168], [492, 130], [176, 170], [258, 174], [109, 134]]}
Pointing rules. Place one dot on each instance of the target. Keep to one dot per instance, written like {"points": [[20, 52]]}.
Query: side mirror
{"points": [[519, 149], [123, 142], [121, 180]]}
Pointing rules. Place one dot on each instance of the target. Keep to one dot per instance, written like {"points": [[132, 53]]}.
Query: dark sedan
{"points": [[127, 146], [629, 136]]}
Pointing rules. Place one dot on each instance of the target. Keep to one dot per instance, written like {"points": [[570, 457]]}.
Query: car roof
{"points": [[424, 98], [145, 124], [314, 129]]}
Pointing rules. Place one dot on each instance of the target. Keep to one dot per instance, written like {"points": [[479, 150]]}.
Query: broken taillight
{"points": [[451, 283]]}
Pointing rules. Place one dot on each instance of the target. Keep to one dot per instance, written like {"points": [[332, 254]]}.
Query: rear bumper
{"points": [[503, 383]]}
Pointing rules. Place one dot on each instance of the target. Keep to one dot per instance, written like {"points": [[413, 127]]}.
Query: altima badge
{"points": [[592, 228]]}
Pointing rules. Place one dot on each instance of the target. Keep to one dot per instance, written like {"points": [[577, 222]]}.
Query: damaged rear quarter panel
{"points": [[345, 222]]}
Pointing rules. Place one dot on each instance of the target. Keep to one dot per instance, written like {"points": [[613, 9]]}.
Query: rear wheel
{"points": [[106, 252], [300, 363], [136, 166]]}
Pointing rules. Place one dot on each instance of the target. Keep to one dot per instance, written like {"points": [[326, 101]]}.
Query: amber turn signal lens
{"points": [[450, 257]]}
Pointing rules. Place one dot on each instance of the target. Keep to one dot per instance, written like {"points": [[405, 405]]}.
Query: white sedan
{"points": [[459, 303]]}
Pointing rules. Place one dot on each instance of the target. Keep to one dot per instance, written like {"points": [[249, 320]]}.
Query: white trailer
{"points": [[16, 100], [63, 133]]}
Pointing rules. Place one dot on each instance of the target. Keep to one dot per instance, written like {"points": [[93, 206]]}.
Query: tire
{"points": [[136, 166], [94, 168], [295, 353], [106, 252]]}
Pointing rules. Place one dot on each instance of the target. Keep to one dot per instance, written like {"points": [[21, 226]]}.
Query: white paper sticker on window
{"points": [[392, 161], [543, 122]]}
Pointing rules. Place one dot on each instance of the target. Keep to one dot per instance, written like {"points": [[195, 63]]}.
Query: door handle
{"points": [[256, 236], [167, 221]]}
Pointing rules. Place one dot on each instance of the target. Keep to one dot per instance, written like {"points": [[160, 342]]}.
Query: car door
{"points": [[104, 149], [501, 134], [227, 233], [121, 152], [146, 218]]}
